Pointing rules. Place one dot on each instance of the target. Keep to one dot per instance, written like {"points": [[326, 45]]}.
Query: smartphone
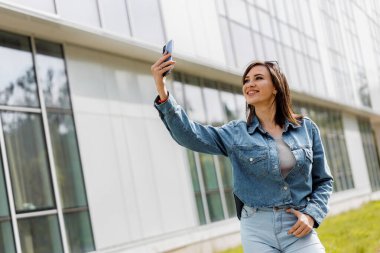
{"points": [[168, 48]]}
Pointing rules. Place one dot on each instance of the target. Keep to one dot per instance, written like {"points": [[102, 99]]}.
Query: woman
{"points": [[282, 182]]}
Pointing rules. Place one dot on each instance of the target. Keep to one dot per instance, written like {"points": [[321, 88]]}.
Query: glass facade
{"points": [[211, 175], [331, 129], [371, 153], [273, 30], [33, 123], [266, 31]]}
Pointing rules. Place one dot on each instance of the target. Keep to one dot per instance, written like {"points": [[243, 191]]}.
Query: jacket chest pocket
{"points": [[304, 160], [253, 160]]}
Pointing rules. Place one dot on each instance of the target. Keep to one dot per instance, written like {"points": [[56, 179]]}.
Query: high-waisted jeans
{"points": [[265, 230]]}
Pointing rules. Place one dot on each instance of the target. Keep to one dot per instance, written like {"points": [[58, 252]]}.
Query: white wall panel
{"points": [[84, 12], [41, 5], [129, 194], [177, 25], [122, 89], [172, 178], [356, 152], [145, 18], [143, 176], [113, 98], [88, 86], [194, 27], [114, 16], [103, 181], [207, 35]]}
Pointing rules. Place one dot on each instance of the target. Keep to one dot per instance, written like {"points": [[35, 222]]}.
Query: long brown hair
{"points": [[283, 100]]}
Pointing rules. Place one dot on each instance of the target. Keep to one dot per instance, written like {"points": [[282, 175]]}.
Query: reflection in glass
{"points": [[241, 104], [28, 162], [197, 190], [52, 74], [17, 78], [370, 151], [228, 105], [40, 234], [79, 233], [331, 129], [193, 100], [178, 93], [67, 160], [6, 237], [4, 211], [214, 200], [226, 174], [213, 105]]}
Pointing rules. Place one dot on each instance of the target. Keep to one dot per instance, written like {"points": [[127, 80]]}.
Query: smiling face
{"points": [[258, 88]]}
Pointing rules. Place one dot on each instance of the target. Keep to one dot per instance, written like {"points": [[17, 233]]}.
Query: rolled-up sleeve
{"points": [[190, 134], [322, 181]]}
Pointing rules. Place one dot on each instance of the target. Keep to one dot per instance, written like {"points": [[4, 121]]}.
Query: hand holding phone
{"points": [[168, 48]]}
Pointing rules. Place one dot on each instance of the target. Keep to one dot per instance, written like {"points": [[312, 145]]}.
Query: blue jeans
{"points": [[265, 230]]}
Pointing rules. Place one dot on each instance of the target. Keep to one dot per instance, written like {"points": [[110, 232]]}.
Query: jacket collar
{"points": [[255, 124]]}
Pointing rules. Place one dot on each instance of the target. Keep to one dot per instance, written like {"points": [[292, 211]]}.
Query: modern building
{"points": [[86, 165]]}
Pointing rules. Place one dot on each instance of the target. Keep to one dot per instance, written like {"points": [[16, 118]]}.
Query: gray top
{"points": [[287, 159]]}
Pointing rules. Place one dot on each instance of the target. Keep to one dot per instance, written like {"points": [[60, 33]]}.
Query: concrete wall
{"points": [[136, 176]]}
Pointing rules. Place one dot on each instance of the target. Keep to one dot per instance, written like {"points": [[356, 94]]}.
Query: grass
{"points": [[356, 231]]}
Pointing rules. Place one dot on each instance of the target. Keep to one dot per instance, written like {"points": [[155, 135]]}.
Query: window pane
{"points": [[259, 47], [52, 74], [240, 106], [143, 12], [178, 92], [214, 200], [4, 210], [215, 206], [40, 235], [28, 162], [17, 78], [6, 237], [78, 227], [229, 105], [370, 151], [114, 16], [270, 49], [193, 100], [67, 160], [193, 171], [226, 174], [254, 19], [213, 106], [237, 11], [243, 44], [265, 23], [229, 54], [196, 186], [200, 209]]}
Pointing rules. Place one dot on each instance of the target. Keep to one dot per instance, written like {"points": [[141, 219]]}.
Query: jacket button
{"points": [[251, 159], [285, 187]]}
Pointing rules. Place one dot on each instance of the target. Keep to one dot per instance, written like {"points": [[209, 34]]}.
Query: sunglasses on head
{"points": [[273, 64]]}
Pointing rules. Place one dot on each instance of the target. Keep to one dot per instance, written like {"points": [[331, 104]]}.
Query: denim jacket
{"points": [[254, 157]]}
